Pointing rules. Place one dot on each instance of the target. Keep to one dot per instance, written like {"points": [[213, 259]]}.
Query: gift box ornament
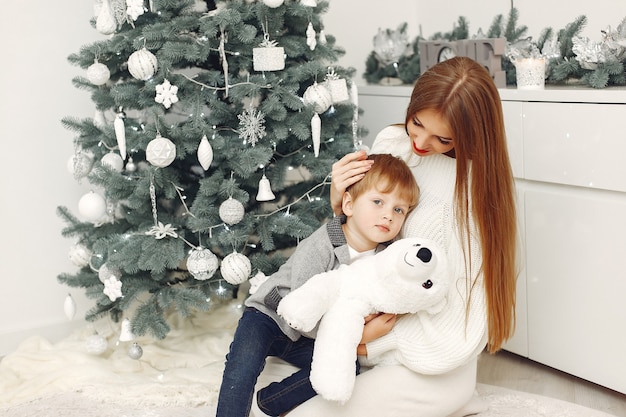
{"points": [[337, 86], [268, 56]]}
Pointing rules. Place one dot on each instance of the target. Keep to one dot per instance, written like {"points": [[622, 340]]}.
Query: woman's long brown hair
{"points": [[464, 94]]}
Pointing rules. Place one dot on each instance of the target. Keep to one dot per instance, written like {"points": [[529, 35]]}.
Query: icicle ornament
{"points": [[310, 37], [316, 133], [69, 307], [120, 133]]}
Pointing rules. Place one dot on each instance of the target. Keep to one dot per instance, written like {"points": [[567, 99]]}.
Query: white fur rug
{"points": [[178, 376]]}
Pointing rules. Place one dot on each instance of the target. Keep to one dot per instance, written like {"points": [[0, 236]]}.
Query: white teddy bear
{"points": [[408, 277]]}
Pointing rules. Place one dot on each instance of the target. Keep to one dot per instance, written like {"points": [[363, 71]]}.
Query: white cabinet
{"points": [[568, 152]]}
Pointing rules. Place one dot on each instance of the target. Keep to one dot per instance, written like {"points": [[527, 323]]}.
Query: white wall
{"points": [[356, 23], [35, 81]]}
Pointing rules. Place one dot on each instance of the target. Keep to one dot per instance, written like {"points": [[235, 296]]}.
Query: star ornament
{"points": [[166, 94], [161, 231]]}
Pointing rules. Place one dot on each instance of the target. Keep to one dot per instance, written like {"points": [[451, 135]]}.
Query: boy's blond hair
{"points": [[388, 173]]}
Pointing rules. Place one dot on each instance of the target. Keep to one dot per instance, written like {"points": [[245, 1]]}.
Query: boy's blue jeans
{"points": [[257, 337]]}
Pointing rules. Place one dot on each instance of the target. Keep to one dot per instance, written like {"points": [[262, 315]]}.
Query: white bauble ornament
{"points": [[273, 3], [98, 73], [92, 206], [236, 268], [107, 272], [96, 344], [69, 307], [309, 3], [113, 161], [80, 255], [105, 22], [316, 133], [318, 96], [126, 333], [231, 211], [135, 351], [205, 153], [79, 164], [202, 263], [160, 152], [130, 165], [142, 64]]}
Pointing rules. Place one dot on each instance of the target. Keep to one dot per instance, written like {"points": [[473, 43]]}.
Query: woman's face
{"points": [[429, 133]]}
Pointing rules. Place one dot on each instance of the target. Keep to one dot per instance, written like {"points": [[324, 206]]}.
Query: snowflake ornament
{"points": [[252, 124], [112, 288], [161, 231], [166, 94]]}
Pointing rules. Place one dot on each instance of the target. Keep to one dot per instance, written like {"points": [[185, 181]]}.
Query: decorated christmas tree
{"points": [[215, 127]]}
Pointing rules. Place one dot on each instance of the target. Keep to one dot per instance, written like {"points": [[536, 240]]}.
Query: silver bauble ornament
{"points": [[318, 96], [236, 268], [142, 64], [135, 351], [79, 164], [202, 263], [273, 3], [231, 211], [80, 255], [160, 151]]}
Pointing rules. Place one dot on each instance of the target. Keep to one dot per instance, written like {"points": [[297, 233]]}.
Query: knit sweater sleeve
{"points": [[434, 344]]}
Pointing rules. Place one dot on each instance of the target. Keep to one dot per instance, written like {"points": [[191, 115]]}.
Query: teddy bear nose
{"points": [[427, 284], [424, 255]]}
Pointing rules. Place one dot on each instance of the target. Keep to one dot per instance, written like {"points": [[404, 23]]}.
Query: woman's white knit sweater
{"points": [[435, 344]]}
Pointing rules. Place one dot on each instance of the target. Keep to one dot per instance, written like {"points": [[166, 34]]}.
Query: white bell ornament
{"points": [[69, 307], [126, 332], [265, 190]]}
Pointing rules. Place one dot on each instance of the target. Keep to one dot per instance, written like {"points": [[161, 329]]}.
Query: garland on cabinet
{"points": [[571, 58]]}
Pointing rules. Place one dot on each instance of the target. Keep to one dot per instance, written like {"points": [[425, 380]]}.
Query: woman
{"points": [[454, 141]]}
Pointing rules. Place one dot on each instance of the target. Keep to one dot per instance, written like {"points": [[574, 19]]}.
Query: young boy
{"points": [[374, 211]]}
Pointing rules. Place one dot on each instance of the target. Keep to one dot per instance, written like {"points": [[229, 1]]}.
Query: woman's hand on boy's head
{"points": [[345, 172]]}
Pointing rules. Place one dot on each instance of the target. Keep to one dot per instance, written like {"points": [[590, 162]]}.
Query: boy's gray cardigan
{"points": [[322, 251]]}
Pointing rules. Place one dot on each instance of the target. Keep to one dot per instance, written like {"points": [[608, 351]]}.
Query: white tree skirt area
{"points": [[178, 376]]}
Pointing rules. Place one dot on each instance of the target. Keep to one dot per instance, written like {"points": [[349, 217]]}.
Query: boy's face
{"points": [[374, 217]]}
